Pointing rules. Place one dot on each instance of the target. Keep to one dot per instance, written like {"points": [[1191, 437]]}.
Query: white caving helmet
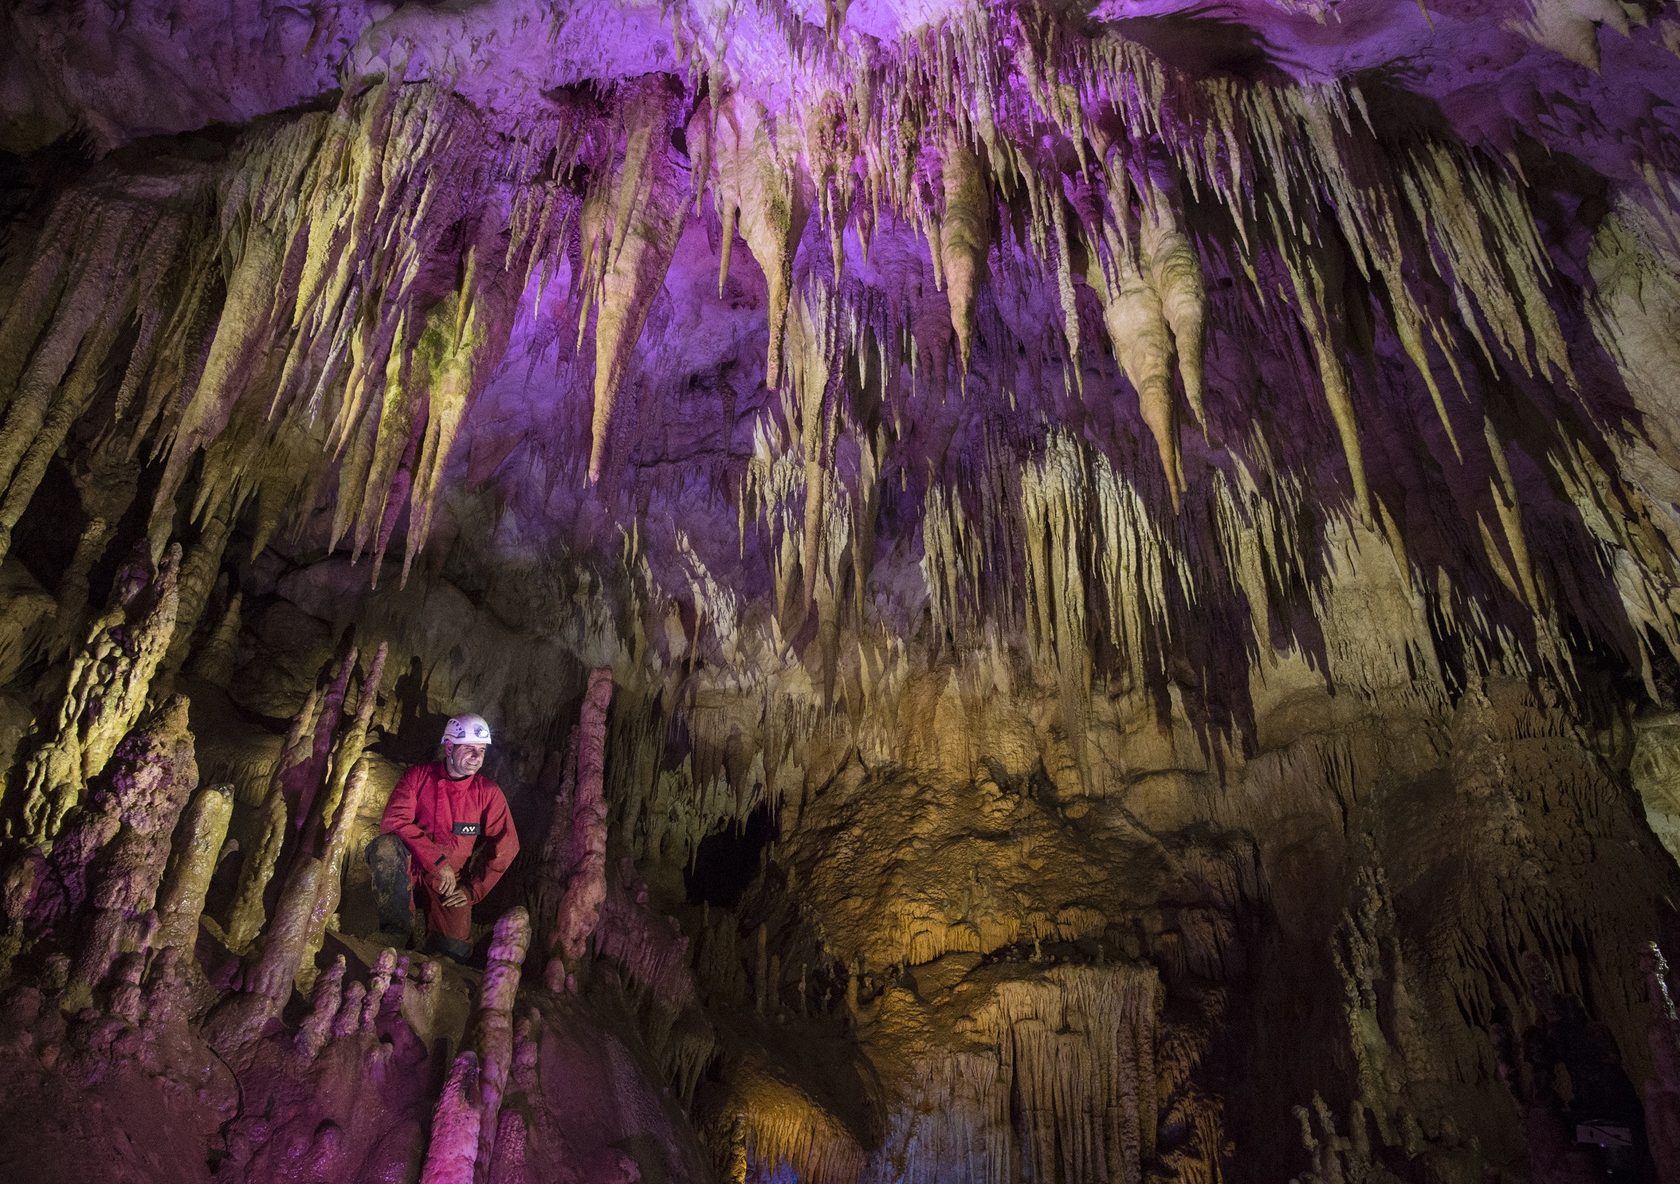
{"points": [[466, 729]]}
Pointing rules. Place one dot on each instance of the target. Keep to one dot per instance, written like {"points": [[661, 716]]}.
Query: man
{"points": [[446, 836]]}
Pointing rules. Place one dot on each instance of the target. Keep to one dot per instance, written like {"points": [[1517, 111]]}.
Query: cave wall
{"points": [[1066, 594]]}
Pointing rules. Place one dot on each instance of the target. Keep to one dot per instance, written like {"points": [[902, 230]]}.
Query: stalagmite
{"points": [[106, 485], [344, 759], [246, 915], [333, 852], [554, 865], [580, 909], [197, 575], [1662, 1090], [305, 769], [324, 1002], [153, 773], [493, 1026], [453, 1149], [181, 902], [420, 998], [106, 693], [325, 774], [218, 651], [269, 972], [509, 1161]]}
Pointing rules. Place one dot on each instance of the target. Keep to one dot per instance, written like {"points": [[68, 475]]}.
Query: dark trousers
{"points": [[395, 887]]}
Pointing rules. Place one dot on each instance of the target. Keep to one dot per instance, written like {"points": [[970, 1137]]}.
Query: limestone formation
{"points": [[105, 694], [493, 1028], [1135, 638], [192, 863], [578, 910]]}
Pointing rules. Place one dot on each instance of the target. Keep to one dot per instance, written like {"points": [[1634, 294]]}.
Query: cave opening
{"points": [[727, 861]]}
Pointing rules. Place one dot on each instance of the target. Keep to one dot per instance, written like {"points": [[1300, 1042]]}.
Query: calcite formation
{"points": [[1064, 593]]}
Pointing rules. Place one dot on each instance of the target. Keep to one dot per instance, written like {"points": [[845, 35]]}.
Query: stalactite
{"points": [[811, 411], [1176, 276], [1143, 344], [1316, 285], [70, 400], [781, 1131], [455, 355], [1509, 508], [964, 237], [247, 323], [762, 192], [1058, 1074], [630, 248], [123, 251], [1055, 507], [1571, 27]]}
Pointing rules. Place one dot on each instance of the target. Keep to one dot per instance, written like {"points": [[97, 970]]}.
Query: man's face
{"points": [[463, 760]]}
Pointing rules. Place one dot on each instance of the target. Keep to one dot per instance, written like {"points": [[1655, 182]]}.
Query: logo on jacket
{"points": [[468, 828]]}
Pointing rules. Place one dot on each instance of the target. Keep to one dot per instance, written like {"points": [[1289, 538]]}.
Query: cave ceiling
{"points": [[836, 342]]}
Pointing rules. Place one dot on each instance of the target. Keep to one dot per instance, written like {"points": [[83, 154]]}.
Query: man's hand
{"points": [[449, 889]]}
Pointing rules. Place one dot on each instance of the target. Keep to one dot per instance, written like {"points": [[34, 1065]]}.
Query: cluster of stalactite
{"points": [[1056, 1072], [309, 318], [1320, 232]]}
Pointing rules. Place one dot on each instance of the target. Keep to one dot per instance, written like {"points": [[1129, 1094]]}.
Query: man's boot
{"points": [[393, 891]]}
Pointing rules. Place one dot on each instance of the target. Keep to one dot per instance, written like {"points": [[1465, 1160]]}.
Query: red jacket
{"points": [[444, 821]]}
